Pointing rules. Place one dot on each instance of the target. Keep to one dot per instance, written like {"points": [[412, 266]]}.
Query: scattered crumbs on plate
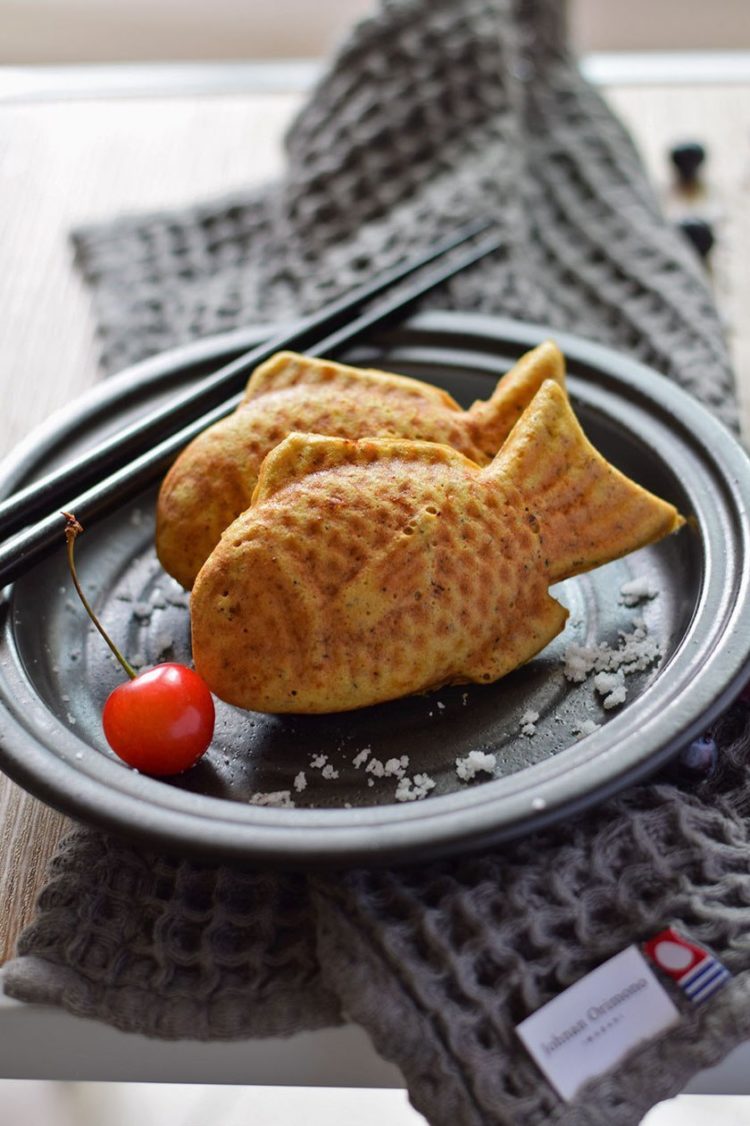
{"points": [[527, 723], [474, 763], [65, 698], [375, 766], [79, 755], [71, 719], [637, 590], [441, 705], [588, 727], [361, 757], [611, 685], [300, 782], [636, 652], [317, 762], [414, 789], [538, 803], [465, 698], [370, 781], [281, 799], [329, 771]]}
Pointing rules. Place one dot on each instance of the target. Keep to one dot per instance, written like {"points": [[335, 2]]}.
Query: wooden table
{"points": [[68, 161]]}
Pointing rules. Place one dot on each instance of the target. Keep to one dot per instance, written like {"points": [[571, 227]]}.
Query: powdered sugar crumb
{"points": [[281, 799], [588, 727], [414, 789], [317, 762], [636, 652], [637, 590], [361, 758], [474, 763], [329, 771], [527, 723], [300, 782]]}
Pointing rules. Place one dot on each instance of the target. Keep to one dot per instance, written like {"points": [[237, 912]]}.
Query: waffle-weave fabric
{"points": [[433, 111]]}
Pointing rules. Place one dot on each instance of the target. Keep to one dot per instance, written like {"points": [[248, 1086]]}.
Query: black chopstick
{"points": [[24, 506], [18, 554]]}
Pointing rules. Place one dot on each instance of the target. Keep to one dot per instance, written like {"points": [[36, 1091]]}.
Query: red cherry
{"points": [[162, 721]]}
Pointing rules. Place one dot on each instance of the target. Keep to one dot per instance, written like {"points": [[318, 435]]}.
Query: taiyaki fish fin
{"points": [[299, 455], [492, 420], [589, 512], [289, 369], [525, 636]]}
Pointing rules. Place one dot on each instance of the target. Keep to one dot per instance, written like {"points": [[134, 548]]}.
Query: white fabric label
{"points": [[597, 1021]]}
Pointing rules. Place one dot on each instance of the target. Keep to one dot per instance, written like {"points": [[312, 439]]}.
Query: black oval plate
{"points": [[55, 672]]}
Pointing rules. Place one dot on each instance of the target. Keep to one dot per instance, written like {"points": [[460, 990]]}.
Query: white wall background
{"points": [[67, 31]]}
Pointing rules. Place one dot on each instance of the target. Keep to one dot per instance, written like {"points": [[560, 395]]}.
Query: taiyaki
{"points": [[368, 570], [213, 479]]}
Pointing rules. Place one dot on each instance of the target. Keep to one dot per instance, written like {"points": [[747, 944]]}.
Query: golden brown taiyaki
{"points": [[213, 479], [368, 570]]}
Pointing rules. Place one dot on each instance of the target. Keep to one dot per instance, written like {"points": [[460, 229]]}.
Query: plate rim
{"points": [[359, 835]]}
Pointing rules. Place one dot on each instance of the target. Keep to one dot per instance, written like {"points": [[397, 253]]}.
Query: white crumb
{"points": [[317, 762], [637, 590], [361, 758], [588, 727], [329, 771], [474, 763], [375, 767], [636, 652], [527, 723], [282, 799], [414, 789], [441, 705], [611, 685], [465, 698], [300, 782], [71, 719]]}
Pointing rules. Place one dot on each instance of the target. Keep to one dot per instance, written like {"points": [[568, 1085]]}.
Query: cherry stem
{"points": [[72, 530]]}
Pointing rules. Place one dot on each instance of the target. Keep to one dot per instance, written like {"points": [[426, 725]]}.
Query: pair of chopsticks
{"points": [[121, 466]]}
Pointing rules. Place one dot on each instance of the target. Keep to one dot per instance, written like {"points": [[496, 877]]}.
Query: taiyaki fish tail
{"points": [[492, 420], [589, 512]]}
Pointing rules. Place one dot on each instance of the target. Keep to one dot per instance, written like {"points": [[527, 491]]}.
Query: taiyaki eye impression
{"points": [[367, 570], [213, 480]]}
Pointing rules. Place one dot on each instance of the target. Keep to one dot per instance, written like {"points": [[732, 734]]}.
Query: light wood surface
{"points": [[71, 162]]}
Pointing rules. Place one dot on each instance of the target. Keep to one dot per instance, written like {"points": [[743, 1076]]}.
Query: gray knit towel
{"points": [[434, 111]]}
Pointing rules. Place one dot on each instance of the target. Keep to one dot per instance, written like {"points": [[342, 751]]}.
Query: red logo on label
{"points": [[697, 972], [674, 954]]}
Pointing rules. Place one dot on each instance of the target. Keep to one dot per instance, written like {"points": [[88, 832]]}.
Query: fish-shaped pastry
{"points": [[368, 570], [213, 479]]}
